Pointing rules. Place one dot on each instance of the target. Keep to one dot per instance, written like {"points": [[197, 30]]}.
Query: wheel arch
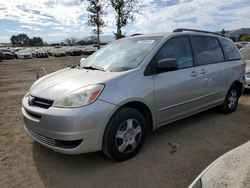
{"points": [[143, 108], [239, 86]]}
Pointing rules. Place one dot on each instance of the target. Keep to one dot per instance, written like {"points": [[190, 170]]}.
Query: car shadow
{"points": [[172, 156]]}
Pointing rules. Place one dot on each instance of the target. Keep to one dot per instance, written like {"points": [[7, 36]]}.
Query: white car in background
{"points": [[15, 50], [245, 51], [58, 53], [231, 170], [89, 50], [247, 85], [39, 53], [24, 54]]}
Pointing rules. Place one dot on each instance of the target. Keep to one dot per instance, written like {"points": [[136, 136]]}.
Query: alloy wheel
{"points": [[232, 99], [128, 136]]}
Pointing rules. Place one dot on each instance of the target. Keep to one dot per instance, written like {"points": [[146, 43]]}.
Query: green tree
{"points": [[125, 12], [96, 11], [20, 40], [71, 41], [13, 40], [36, 41]]}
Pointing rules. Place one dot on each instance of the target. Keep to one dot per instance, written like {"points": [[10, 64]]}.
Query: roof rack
{"points": [[195, 30]]}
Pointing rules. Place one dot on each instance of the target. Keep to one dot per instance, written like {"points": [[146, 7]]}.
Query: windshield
{"points": [[121, 55]]}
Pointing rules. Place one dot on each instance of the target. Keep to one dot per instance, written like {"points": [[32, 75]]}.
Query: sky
{"points": [[56, 20]]}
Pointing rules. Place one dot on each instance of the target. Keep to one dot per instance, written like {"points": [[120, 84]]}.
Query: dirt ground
{"points": [[171, 157]]}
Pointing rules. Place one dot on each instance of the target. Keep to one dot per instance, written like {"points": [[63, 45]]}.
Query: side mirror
{"points": [[82, 61], [169, 64]]}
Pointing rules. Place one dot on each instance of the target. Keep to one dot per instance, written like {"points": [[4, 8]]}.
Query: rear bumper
{"points": [[70, 131]]}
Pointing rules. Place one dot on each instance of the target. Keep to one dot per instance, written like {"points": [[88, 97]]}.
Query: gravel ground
{"points": [[171, 157]]}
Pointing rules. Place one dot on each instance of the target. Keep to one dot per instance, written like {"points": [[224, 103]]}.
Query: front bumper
{"points": [[70, 131]]}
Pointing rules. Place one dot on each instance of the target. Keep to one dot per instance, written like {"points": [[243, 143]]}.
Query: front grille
{"points": [[56, 143], [43, 103]]}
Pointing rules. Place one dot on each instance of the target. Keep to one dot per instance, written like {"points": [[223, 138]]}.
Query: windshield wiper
{"points": [[94, 68]]}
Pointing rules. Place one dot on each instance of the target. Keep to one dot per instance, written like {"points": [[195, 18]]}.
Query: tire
{"points": [[231, 101], [124, 134]]}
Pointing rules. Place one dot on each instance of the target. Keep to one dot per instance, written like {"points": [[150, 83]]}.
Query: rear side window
{"points": [[230, 50], [178, 48], [208, 50]]}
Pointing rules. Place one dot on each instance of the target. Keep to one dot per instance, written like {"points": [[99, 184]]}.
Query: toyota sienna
{"points": [[113, 98]]}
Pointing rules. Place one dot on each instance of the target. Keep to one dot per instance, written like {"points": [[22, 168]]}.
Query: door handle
{"points": [[194, 73], [203, 71]]}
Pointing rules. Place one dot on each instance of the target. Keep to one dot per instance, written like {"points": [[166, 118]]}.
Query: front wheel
{"points": [[124, 135], [231, 101]]}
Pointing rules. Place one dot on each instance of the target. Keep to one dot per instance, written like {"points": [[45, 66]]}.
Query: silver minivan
{"points": [[116, 96]]}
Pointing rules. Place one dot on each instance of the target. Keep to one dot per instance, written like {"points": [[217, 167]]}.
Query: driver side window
{"points": [[179, 49]]}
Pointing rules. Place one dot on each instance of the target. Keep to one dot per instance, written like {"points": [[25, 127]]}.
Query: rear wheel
{"points": [[231, 101], [124, 135]]}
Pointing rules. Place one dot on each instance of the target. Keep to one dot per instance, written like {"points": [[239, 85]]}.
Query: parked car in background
{"points": [[8, 54], [40, 53], [89, 50], [58, 53], [239, 45], [74, 52], [24, 54], [49, 51], [247, 45], [247, 85], [244, 43], [16, 49], [113, 98], [2, 56], [245, 51], [230, 170]]}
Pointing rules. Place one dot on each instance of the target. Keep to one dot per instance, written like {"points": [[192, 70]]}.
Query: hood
{"points": [[66, 80]]}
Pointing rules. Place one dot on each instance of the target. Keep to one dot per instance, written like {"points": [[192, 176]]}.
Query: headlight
{"points": [[80, 97]]}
